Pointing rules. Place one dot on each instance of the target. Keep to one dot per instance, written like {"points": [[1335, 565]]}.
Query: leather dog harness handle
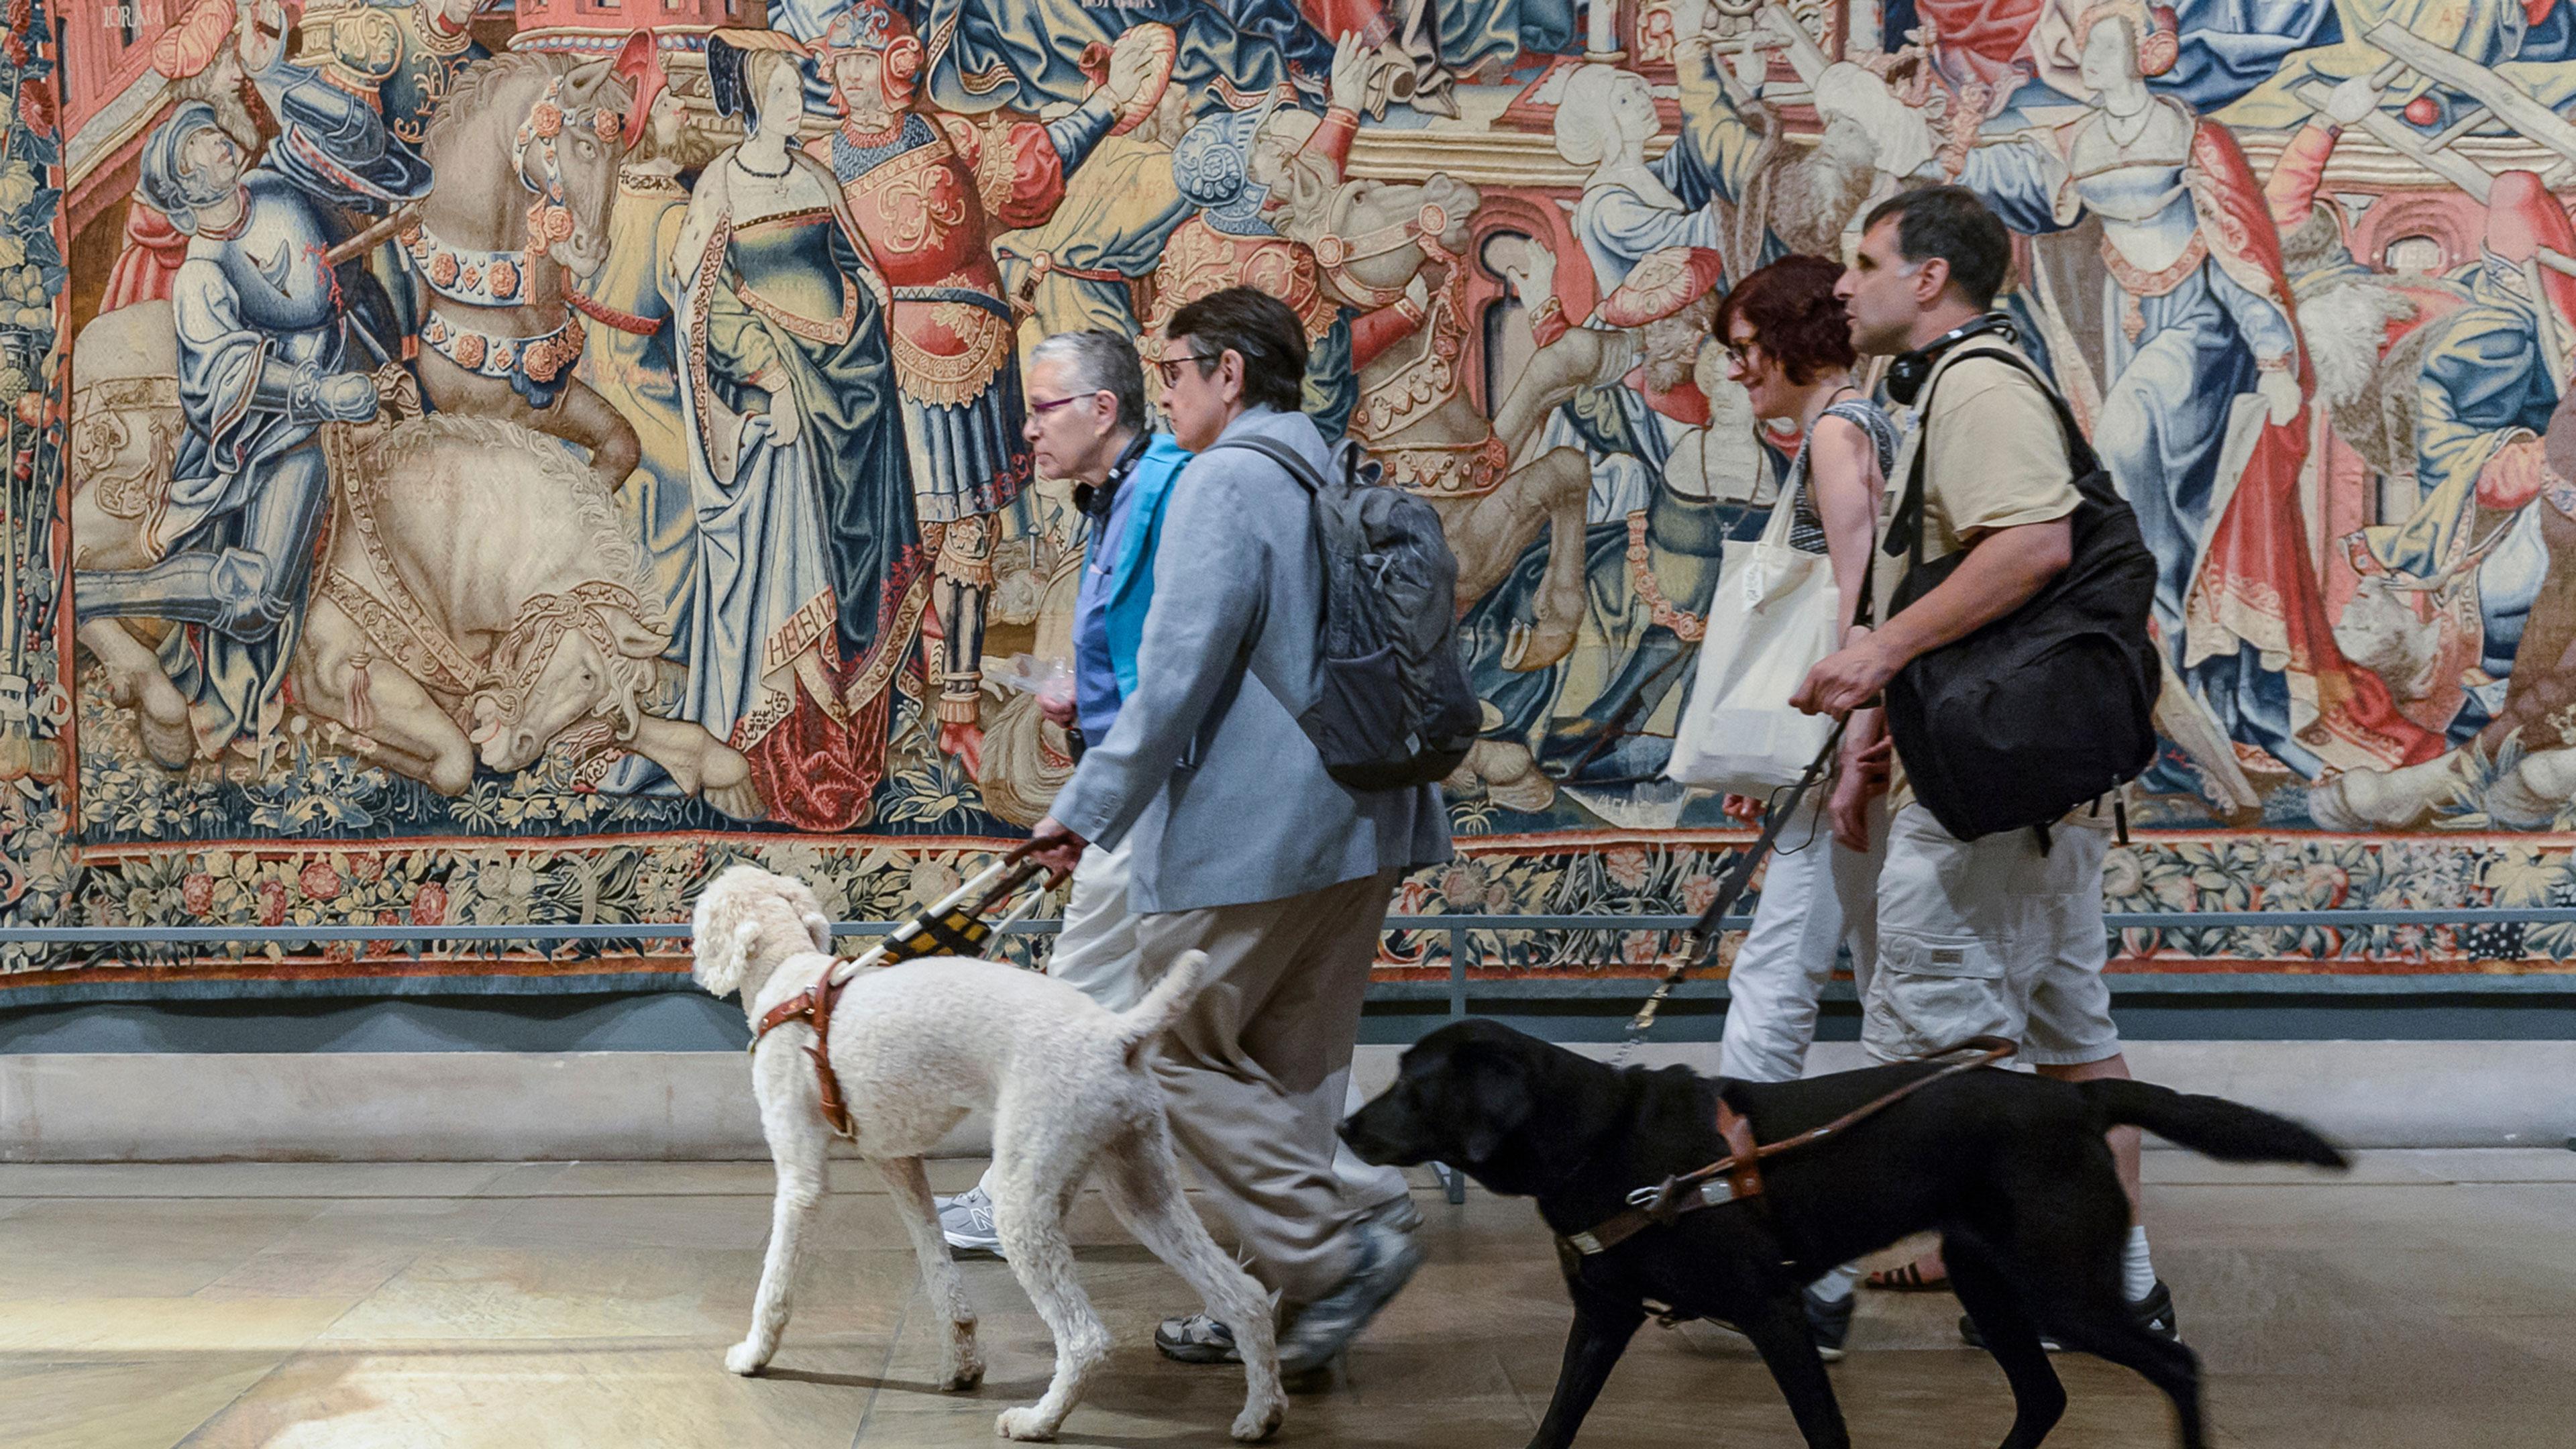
{"points": [[961, 931], [1658, 1206]]}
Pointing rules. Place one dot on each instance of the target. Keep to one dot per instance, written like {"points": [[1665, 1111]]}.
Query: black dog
{"points": [[2012, 1170]]}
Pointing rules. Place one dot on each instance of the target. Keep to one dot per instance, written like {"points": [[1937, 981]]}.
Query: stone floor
{"points": [[2429, 1299]]}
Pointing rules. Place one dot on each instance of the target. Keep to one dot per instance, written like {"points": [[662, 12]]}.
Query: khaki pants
{"points": [[1095, 953], [1990, 937], [1257, 1067]]}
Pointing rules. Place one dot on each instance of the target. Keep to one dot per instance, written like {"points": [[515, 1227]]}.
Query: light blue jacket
{"points": [[1131, 586], [1226, 799]]}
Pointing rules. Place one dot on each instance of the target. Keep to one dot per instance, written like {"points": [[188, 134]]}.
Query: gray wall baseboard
{"points": [[690, 1020], [360, 1106]]}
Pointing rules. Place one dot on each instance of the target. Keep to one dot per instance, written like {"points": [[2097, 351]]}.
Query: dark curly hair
{"points": [[1795, 317]]}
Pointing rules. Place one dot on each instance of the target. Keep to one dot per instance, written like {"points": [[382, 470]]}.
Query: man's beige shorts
{"points": [[1990, 937]]}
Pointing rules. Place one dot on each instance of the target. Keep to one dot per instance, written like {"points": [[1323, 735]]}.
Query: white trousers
{"points": [[1816, 895], [1095, 952]]}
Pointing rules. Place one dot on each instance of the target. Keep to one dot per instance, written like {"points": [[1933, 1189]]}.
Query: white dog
{"points": [[916, 1047]]}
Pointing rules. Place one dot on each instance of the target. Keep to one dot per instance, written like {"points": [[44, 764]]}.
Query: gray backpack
{"points": [[1393, 708]]}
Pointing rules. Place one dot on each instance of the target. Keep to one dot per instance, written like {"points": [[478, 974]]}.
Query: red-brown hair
{"points": [[1795, 316]]}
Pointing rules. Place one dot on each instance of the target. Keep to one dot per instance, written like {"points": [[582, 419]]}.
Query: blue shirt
{"points": [[1095, 678]]}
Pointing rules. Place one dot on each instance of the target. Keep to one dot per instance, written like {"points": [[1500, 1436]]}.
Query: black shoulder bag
{"points": [[2051, 705]]}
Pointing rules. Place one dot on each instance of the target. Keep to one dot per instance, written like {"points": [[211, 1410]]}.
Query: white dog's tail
{"points": [[1144, 1023]]}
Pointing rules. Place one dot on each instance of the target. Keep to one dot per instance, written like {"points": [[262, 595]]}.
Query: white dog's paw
{"points": [[965, 1366], [1258, 1421], [1023, 1424], [746, 1358]]}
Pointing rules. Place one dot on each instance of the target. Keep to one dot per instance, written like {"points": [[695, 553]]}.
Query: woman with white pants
{"points": [[1818, 895], [1788, 345]]}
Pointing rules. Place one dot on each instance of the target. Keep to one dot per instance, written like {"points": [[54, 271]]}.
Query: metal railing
{"points": [[1456, 989]]}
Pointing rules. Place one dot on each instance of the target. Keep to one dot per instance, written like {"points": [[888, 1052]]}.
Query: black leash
{"points": [[1703, 934]]}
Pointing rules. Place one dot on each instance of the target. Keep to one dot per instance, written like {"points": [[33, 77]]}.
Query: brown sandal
{"points": [[1908, 1278]]}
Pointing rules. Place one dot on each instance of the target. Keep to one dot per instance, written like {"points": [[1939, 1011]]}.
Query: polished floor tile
{"points": [[127, 1247], [130, 1398], [2426, 1299], [563, 1395], [478, 1294], [248, 1179], [398, 1223], [44, 1329]]}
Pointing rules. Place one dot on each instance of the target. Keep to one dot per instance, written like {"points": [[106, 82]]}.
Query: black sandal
{"points": [[1907, 1278]]}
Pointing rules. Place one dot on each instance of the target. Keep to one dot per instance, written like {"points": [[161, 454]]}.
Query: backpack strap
{"points": [[1905, 528], [1905, 525], [2079, 452], [1277, 452], [1304, 475]]}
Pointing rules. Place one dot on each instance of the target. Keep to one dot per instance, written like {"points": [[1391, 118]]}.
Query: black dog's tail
{"points": [[2213, 1126]]}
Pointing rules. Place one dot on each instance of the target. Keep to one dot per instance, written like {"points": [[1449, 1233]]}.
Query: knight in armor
{"points": [[930, 189], [263, 362], [1226, 167], [354, 101], [357, 96], [201, 60]]}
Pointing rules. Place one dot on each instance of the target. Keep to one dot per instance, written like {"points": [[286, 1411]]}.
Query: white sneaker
{"points": [[966, 1220]]}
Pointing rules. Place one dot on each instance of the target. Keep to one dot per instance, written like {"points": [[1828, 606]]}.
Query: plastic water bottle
{"points": [[1051, 680]]}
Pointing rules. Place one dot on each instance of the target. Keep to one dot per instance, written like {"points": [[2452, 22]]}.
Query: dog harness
{"points": [[813, 1006], [1737, 1176], [950, 928]]}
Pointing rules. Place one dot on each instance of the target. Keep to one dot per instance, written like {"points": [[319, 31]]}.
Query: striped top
{"points": [[1807, 526]]}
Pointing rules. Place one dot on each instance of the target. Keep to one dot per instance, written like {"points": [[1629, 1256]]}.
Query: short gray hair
{"points": [[1100, 361]]}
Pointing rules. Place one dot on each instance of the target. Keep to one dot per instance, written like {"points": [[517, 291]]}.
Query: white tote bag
{"points": [[1775, 614]]}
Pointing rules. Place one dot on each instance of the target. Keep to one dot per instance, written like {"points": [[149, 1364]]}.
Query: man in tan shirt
{"points": [[2002, 934]]}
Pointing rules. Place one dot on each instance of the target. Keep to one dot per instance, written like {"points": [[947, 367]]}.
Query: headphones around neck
{"points": [[1907, 374]]}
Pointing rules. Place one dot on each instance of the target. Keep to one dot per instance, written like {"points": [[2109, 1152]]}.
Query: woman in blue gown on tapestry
{"points": [[2204, 422], [810, 581]]}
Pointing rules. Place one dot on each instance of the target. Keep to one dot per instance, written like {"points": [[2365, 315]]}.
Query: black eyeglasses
{"points": [[1169, 367]]}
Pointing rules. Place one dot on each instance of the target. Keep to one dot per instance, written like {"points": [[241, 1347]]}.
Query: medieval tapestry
{"points": [[486, 464]]}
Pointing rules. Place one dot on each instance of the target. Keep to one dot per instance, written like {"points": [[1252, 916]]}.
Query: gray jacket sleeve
{"points": [[1211, 580]]}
